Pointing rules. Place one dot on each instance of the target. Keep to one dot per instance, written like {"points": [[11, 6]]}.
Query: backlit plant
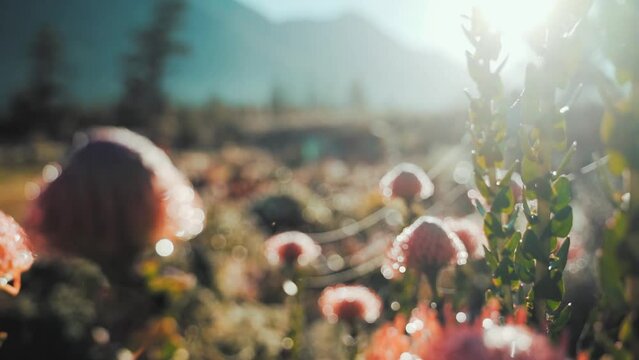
{"points": [[527, 261]]}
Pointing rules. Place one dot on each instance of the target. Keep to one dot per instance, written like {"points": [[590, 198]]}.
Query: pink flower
{"points": [[291, 247], [470, 233], [427, 245], [406, 181], [15, 256], [184, 212], [428, 339], [350, 303]]}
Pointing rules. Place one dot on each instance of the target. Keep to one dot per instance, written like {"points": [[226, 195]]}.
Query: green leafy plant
{"points": [[617, 318], [527, 261]]}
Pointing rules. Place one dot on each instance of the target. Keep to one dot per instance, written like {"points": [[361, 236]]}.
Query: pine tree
{"points": [[144, 100]]}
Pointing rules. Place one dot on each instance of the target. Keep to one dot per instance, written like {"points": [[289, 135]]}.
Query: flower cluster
{"points": [[350, 303], [425, 337], [15, 255], [426, 245], [406, 181], [184, 212], [290, 248], [470, 233]]}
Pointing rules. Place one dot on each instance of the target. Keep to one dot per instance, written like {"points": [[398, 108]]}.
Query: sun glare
{"points": [[515, 18]]}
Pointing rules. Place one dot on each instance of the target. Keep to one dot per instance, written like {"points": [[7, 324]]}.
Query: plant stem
{"points": [[431, 275], [353, 348]]}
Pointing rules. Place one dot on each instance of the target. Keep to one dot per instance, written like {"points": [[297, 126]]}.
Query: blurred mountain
{"points": [[235, 54]]}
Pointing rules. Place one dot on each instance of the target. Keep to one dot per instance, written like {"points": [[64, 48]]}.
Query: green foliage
{"points": [[487, 126], [525, 258], [619, 132]]}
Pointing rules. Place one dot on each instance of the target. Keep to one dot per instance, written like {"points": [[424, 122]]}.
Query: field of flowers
{"points": [[506, 244]]}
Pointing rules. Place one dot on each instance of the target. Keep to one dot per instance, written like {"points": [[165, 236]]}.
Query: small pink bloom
{"points": [[15, 256], [350, 303], [291, 247], [470, 233], [425, 245], [406, 181]]}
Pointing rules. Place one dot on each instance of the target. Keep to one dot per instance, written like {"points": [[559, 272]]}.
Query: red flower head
{"points": [[470, 233], [116, 194], [406, 181], [427, 245], [291, 247], [15, 256], [350, 303]]}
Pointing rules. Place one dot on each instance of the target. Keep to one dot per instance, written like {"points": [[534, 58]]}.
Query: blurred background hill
{"points": [[234, 54]]}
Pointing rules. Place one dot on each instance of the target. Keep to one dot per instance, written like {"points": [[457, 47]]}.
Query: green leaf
{"points": [[513, 242], [562, 256], [561, 193], [561, 320], [626, 331], [561, 223], [483, 187], [480, 207], [532, 246], [505, 180], [530, 170], [493, 227], [549, 288], [491, 258], [616, 162], [504, 201], [524, 267], [553, 305], [610, 272], [532, 219]]}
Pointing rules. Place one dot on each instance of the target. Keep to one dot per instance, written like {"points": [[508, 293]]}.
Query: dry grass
{"points": [[12, 184]]}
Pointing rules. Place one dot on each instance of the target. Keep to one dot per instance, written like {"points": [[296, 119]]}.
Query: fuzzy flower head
{"points": [[470, 233], [183, 209], [15, 256], [427, 245], [406, 181], [350, 303], [290, 248]]}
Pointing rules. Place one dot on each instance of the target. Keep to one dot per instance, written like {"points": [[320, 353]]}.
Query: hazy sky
{"points": [[416, 23]]}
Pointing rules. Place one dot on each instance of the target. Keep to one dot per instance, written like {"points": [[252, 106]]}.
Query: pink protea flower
{"points": [[470, 233], [290, 248], [184, 214], [116, 194], [406, 181], [350, 303], [15, 256], [427, 245]]}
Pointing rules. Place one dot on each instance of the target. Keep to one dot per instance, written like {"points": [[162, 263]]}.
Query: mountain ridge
{"points": [[236, 55]]}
